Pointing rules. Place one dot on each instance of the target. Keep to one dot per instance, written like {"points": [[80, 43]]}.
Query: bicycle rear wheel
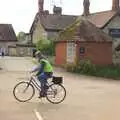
{"points": [[23, 91], [56, 93]]}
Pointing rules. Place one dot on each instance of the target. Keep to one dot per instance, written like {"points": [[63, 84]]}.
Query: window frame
{"points": [[71, 52]]}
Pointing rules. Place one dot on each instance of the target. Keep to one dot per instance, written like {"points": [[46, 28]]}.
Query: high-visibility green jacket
{"points": [[47, 66]]}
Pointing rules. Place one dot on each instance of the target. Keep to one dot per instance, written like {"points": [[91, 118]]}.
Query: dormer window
{"points": [[114, 32]]}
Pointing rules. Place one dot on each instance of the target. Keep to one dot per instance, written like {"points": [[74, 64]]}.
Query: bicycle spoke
{"points": [[23, 91], [56, 93]]}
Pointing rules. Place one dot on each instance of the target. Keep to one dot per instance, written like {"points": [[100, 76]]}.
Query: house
{"points": [[7, 37], [25, 48], [109, 22], [22, 48], [46, 25], [83, 40]]}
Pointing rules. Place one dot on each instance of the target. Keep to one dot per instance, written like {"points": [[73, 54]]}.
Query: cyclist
{"points": [[44, 71]]}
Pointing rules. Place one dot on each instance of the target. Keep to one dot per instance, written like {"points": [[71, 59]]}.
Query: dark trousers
{"points": [[43, 79]]}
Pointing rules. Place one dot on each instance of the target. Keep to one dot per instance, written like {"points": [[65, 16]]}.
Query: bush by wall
{"points": [[87, 68]]}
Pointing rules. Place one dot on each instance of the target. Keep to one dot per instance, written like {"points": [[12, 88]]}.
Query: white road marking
{"points": [[37, 114]]}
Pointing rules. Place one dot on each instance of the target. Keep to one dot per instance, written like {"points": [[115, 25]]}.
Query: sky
{"points": [[21, 13]]}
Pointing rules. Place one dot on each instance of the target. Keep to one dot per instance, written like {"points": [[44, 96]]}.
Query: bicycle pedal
{"points": [[43, 96], [39, 97]]}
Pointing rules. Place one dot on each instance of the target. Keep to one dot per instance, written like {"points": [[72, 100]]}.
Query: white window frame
{"points": [[71, 52]]}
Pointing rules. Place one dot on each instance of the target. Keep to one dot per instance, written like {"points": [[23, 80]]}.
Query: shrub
{"points": [[87, 68], [84, 66], [108, 72], [70, 68]]}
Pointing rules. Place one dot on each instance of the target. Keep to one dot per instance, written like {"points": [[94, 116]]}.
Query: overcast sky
{"points": [[20, 13]]}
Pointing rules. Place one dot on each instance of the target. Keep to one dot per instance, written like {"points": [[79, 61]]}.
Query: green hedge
{"points": [[87, 68]]}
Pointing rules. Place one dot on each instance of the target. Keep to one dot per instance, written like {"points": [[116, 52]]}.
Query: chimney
{"points": [[46, 12], [86, 5], [40, 6], [115, 5], [57, 10]]}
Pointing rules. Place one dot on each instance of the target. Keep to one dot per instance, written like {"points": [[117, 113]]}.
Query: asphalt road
{"points": [[88, 98]]}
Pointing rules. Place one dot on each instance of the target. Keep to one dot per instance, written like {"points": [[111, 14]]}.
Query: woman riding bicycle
{"points": [[44, 71]]}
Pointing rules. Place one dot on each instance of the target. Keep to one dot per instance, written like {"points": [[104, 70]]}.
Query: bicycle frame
{"points": [[50, 90], [33, 80]]}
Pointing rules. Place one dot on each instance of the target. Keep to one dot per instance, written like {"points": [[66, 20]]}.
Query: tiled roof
{"points": [[85, 31], [59, 22], [101, 18], [7, 33]]}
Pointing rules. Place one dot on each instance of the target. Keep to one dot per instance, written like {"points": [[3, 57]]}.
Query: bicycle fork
{"points": [[27, 86]]}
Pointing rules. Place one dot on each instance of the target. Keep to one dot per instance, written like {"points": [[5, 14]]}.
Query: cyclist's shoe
{"points": [[46, 87], [42, 94]]}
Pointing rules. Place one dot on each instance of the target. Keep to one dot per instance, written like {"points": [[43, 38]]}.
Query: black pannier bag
{"points": [[57, 80]]}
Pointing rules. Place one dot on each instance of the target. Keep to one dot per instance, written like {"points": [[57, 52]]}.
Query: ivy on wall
{"points": [[69, 31]]}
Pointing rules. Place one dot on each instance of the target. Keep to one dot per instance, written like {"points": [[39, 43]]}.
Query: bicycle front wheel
{"points": [[56, 93], [23, 91]]}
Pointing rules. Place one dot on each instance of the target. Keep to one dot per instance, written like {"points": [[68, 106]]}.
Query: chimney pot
{"points": [[115, 4], [40, 5], [86, 5], [57, 10], [46, 12]]}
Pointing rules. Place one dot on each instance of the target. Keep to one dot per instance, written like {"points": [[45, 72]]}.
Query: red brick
{"points": [[99, 53]]}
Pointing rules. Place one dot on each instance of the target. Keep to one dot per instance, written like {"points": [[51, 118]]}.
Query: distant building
{"points": [[7, 37], [22, 48], [47, 25], [86, 41]]}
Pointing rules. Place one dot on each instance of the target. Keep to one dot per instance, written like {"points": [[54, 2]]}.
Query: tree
{"points": [[42, 44], [46, 46], [21, 36]]}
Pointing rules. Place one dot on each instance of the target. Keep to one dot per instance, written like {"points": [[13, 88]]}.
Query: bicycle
{"points": [[51, 90]]}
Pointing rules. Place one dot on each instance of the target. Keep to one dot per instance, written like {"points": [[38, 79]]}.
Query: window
{"points": [[114, 32], [82, 50], [71, 52]]}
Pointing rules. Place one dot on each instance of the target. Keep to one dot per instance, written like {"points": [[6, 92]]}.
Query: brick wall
{"points": [[99, 53]]}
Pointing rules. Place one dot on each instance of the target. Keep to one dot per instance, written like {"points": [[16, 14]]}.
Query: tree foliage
{"points": [[46, 46], [21, 36]]}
